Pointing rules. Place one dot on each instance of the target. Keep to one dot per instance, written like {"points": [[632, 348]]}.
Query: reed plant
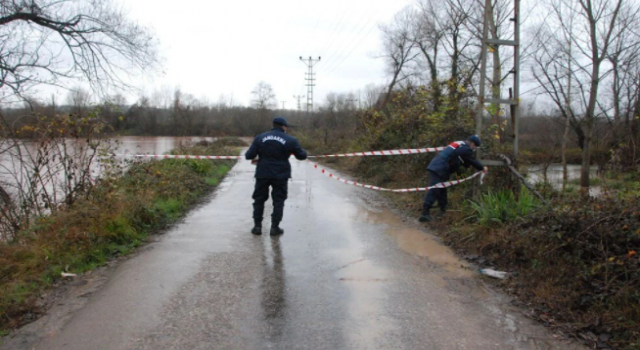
{"points": [[502, 206]]}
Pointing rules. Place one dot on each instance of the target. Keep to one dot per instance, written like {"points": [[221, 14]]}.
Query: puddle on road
{"points": [[416, 242]]}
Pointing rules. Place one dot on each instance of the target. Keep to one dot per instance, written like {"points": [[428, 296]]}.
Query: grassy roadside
{"points": [[575, 269], [110, 221]]}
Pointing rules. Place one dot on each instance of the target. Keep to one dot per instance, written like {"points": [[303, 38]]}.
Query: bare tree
{"points": [[53, 172], [428, 33], [604, 38], [55, 41], [552, 69], [371, 95], [79, 99], [603, 23], [263, 96], [462, 42], [398, 48], [624, 60], [186, 108]]}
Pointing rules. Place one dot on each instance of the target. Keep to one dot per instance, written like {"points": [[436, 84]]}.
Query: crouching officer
{"points": [[446, 162], [273, 149]]}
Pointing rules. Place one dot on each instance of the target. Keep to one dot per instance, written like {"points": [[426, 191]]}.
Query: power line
{"points": [[352, 50], [339, 51], [299, 97], [310, 80], [313, 32], [341, 56], [334, 31], [331, 44]]}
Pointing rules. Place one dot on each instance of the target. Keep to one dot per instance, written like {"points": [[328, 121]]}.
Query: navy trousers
{"points": [[261, 195], [435, 194]]}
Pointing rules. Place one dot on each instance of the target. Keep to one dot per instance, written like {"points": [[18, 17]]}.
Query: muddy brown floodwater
{"points": [[12, 174], [347, 274]]}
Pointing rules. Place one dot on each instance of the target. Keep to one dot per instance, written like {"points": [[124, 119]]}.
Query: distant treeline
{"points": [[340, 117], [141, 119]]}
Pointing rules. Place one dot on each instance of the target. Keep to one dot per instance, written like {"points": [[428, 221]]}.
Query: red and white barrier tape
{"points": [[169, 156], [331, 175], [403, 190], [394, 152]]}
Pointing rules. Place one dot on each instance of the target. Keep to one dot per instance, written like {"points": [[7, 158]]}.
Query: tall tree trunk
{"points": [[616, 91], [585, 169], [565, 142], [635, 129], [387, 96], [569, 113], [455, 57], [454, 94], [436, 94], [591, 107]]}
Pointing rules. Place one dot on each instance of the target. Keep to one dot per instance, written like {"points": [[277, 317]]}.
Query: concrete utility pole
{"points": [[514, 98], [298, 97], [283, 102], [310, 78]]}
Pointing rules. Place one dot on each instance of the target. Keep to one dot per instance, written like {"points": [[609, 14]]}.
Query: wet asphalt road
{"points": [[347, 274]]}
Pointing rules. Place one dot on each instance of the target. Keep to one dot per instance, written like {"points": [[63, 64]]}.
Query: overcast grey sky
{"points": [[226, 47]]}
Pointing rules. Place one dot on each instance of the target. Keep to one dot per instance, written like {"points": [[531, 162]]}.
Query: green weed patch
{"points": [[502, 206]]}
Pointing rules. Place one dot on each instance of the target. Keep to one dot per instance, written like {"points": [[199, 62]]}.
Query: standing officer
{"points": [[442, 166], [273, 149]]}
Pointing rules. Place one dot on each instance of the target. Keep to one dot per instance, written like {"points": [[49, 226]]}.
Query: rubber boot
{"points": [[425, 217], [257, 229], [441, 214], [276, 231]]}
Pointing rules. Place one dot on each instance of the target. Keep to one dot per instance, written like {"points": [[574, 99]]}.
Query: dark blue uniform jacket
{"points": [[450, 159], [273, 149]]}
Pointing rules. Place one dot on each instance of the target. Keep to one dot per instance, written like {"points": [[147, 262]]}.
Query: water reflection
{"points": [[17, 159], [535, 173], [153, 144], [273, 290]]}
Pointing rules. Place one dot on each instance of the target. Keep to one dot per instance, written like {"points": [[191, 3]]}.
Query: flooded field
{"points": [[18, 161], [535, 174]]}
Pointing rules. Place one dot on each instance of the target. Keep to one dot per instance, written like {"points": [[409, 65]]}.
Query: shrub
{"points": [[503, 206]]}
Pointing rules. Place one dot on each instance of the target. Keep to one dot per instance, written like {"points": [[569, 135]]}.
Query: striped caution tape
{"points": [[394, 152], [403, 190], [183, 156], [331, 175]]}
